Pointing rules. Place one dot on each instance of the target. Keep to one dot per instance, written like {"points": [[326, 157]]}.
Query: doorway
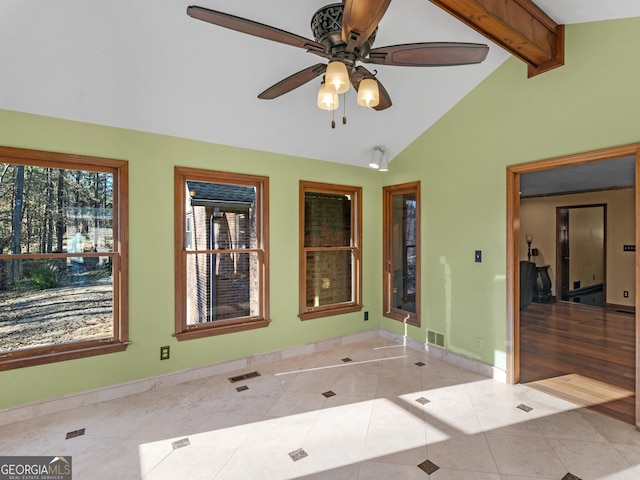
{"points": [[515, 241]]}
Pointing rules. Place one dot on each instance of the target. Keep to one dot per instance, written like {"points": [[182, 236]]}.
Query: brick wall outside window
{"points": [[328, 224], [221, 255], [330, 251]]}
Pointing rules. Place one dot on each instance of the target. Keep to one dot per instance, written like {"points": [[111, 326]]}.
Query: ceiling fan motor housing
{"points": [[326, 25]]}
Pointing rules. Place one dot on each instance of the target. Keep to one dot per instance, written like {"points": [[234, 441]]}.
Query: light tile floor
{"points": [[388, 417]]}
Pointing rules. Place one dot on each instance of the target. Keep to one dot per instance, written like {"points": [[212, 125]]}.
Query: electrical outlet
{"points": [[478, 256], [164, 352], [366, 316], [625, 294], [477, 344]]}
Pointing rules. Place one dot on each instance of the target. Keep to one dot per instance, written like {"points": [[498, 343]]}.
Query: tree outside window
{"points": [[63, 276]]}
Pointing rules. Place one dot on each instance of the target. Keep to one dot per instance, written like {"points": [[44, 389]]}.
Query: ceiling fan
{"points": [[344, 34]]}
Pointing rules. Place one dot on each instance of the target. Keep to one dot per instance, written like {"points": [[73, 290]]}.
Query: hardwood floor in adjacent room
{"points": [[581, 353]]}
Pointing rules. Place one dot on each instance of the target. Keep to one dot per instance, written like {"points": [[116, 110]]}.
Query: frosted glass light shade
{"points": [[327, 99], [368, 93], [337, 77]]}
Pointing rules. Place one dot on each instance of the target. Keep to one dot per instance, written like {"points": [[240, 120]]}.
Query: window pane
{"points": [[220, 216], [327, 220], [41, 209], [222, 286], [410, 283], [55, 301], [404, 252], [410, 219], [329, 275]]}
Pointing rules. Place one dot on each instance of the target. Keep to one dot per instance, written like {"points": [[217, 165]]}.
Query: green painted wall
{"points": [[151, 161], [592, 102]]}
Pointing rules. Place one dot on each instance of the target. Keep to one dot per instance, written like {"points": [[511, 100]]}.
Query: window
{"points": [[401, 223], [330, 244], [221, 252], [63, 257]]}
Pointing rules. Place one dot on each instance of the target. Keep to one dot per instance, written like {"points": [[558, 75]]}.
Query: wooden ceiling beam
{"points": [[518, 26]]}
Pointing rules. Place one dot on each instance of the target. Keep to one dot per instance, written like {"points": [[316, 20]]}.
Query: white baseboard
{"points": [[74, 400], [440, 353], [111, 392]]}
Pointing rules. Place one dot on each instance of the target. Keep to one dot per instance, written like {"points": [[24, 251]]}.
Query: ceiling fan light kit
{"points": [[368, 93], [327, 98], [337, 76], [344, 34]]}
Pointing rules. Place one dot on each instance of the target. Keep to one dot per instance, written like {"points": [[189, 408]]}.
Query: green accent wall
{"points": [[151, 253], [590, 103]]}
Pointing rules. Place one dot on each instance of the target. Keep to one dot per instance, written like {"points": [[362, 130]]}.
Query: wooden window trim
{"points": [[184, 331], [308, 313], [387, 248], [120, 339]]}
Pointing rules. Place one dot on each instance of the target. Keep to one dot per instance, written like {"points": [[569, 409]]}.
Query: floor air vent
{"points": [[435, 338], [246, 376]]}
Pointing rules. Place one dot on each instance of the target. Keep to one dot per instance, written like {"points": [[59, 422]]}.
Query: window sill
{"points": [[29, 358], [329, 312], [404, 317], [211, 330]]}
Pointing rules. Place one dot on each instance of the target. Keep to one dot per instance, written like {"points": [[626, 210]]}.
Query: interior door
{"points": [[581, 259], [563, 253]]}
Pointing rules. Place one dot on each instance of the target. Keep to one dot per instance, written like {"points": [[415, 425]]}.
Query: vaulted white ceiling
{"points": [[146, 65]]}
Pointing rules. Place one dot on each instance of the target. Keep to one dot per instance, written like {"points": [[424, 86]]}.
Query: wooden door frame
{"points": [[513, 248]]}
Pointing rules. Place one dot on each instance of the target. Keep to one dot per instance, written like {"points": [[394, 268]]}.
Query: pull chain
{"points": [[333, 113], [344, 109]]}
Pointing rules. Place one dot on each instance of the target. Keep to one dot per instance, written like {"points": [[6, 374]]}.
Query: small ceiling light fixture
{"points": [[368, 93], [327, 99], [378, 158], [384, 162], [337, 77]]}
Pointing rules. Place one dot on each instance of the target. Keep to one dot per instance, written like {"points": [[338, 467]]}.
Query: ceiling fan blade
{"points": [[360, 73], [361, 17], [429, 54], [293, 81], [261, 30], [385, 99]]}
